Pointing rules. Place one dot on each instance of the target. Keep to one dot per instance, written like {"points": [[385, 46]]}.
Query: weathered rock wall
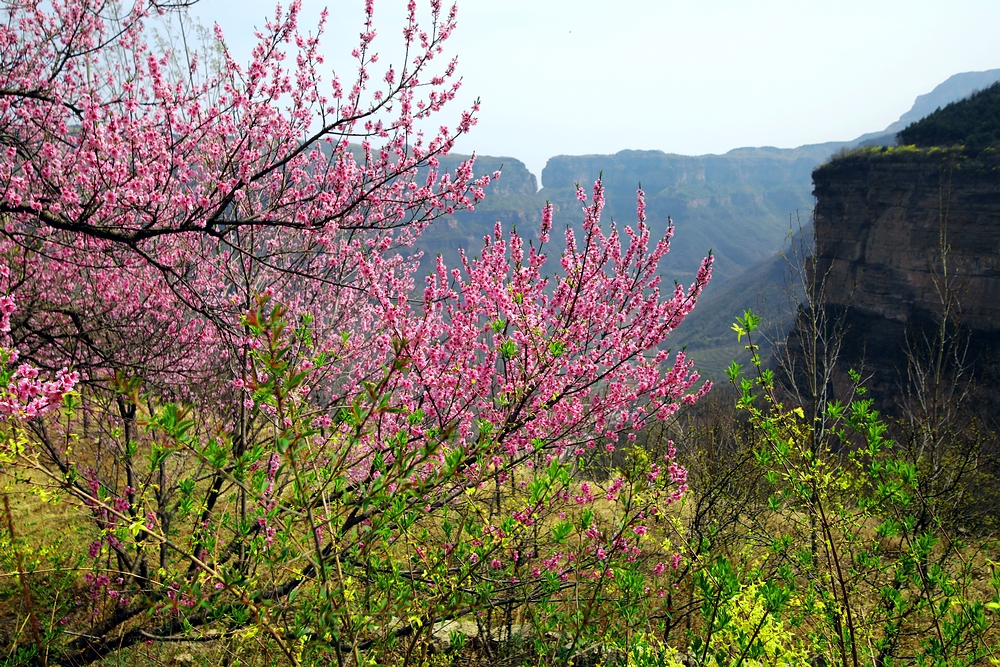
{"points": [[881, 218]]}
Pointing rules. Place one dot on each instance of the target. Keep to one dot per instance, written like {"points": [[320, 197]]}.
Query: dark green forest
{"points": [[973, 122]]}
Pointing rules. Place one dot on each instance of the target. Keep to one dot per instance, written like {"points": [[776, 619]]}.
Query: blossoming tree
{"points": [[276, 439]]}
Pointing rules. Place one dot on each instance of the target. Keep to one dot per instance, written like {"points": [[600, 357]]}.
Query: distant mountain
{"points": [[953, 89], [513, 200], [770, 288], [737, 205]]}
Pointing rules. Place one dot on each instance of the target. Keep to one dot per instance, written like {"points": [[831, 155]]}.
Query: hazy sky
{"points": [[699, 76]]}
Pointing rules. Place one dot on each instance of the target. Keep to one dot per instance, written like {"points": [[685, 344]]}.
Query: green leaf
{"points": [[561, 531], [508, 348], [734, 371]]}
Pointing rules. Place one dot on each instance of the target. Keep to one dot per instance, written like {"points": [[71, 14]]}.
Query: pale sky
{"points": [[701, 76]]}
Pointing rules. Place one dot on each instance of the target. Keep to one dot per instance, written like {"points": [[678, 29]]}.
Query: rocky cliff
{"points": [[882, 218]]}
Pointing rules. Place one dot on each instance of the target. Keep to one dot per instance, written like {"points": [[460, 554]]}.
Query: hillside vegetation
{"points": [[973, 122]]}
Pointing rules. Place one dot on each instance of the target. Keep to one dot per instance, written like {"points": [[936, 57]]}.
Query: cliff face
{"points": [[881, 218]]}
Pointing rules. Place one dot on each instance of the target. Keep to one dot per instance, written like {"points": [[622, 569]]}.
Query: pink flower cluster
{"points": [[25, 396]]}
